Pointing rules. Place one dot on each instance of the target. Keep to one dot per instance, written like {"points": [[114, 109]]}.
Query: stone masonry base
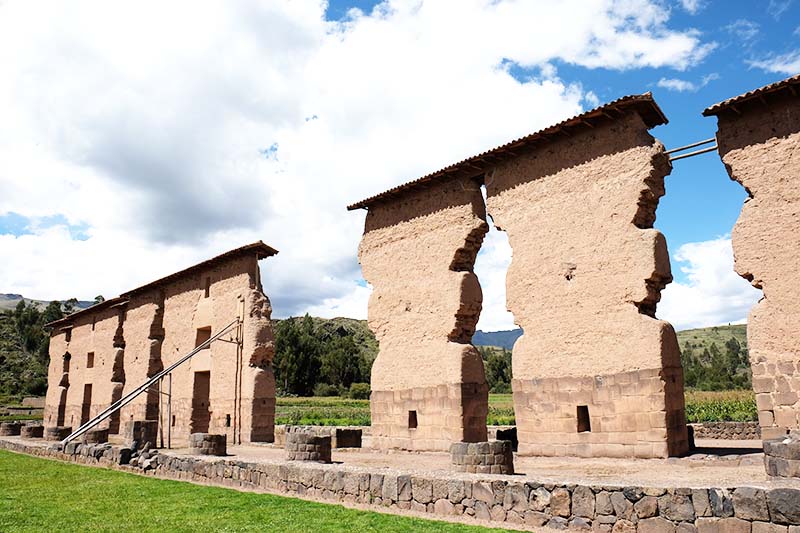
{"points": [[499, 499], [429, 418], [632, 414]]}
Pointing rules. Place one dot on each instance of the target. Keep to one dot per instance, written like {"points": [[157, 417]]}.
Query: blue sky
{"points": [[263, 120]]}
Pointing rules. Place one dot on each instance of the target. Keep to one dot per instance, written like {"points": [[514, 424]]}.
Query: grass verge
{"points": [[42, 495]]}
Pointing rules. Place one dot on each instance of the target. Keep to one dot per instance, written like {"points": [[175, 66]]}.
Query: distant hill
{"points": [[9, 301], [502, 339], [702, 338]]}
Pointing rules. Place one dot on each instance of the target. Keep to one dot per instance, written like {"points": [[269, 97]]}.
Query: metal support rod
{"points": [[698, 143], [122, 402], [169, 412], [692, 154]]}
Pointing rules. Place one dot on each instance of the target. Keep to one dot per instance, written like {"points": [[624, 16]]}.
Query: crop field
{"points": [[43, 495], [345, 412], [721, 406]]}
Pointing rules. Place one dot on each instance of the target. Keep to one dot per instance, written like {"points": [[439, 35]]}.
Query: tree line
{"points": [[714, 368]]}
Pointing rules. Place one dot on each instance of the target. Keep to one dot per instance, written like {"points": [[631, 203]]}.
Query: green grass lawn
{"points": [[41, 495]]}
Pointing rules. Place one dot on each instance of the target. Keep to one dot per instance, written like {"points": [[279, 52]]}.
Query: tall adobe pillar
{"points": [[759, 142], [595, 374], [418, 250]]}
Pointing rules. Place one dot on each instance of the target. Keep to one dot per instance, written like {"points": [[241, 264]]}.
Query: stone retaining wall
{"points": [[527, 504], [341, 436], [727, 430]]}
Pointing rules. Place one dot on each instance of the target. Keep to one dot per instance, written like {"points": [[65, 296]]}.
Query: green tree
{"points": [[341, 362]]}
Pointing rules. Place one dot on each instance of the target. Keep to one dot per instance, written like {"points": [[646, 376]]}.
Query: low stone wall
{"points": [[8, 429], [493, 457], [303, 444], [782, 456], [727, 430], [57, 432], [32, 431], [500, 499], [208, 444], [341, 436], [95, 436]]}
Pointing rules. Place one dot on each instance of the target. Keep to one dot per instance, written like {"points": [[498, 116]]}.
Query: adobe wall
{"points": [[154, 329], [418, 252], [761, 150], [66, 389], [586, 275]]}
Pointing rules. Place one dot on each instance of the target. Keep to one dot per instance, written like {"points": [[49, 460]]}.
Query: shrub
{"points": [[326, 389], [359, 391]]}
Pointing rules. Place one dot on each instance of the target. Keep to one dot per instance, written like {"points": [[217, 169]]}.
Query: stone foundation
{"points": [[493, 457], [503, 500], [782, 456], [303, 444], [208, 444], [95, 436], [141, 432], [10, 428], [341, 436], [32, 431], [439, 416], [629, 415], [57, 432], [727, 430]]}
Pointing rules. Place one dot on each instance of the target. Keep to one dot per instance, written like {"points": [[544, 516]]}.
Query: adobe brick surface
{"points": [[97, 357], [586, 275], [428, 383], [760, 146]]}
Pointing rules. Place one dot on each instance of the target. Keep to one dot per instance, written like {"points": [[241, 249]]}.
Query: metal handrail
{"points": [[122, 402]]}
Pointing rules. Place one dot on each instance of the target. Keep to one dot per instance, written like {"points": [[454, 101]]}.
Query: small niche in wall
{"points": [[412, 420], [227, 421], [207, 290], [90, 360], [173, 420], [584, 423], [203, 334], [68, 335]]}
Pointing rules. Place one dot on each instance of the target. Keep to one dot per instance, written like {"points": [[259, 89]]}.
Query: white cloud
{"points": [[175, 131], [788, 63], [713, 293], [693, 6], [678, 85], [744, 29], [776, 8], [491, 267]]}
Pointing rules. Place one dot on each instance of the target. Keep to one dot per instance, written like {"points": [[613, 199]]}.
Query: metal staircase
{"points": [[125, 400]]}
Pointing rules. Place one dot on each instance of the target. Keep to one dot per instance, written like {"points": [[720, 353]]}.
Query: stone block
{"points": [[31, 431], [655, 525], [749, 504], [784, 505], [560, 502], [8, 429]]}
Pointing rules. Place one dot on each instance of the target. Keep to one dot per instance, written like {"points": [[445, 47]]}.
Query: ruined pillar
{"points": [[154, 362], [117, 371], [759, 142], [595, 374], [418, 250], [258, 380]]}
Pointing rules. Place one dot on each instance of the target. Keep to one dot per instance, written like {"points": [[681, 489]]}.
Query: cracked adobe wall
{"points": [[417, 252], [586, 274], [760, 146]]}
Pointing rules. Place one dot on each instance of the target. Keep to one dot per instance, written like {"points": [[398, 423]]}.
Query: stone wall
{"points": [[727, 430], [595, 374], [499, 499], [760, 146], [418, 251], [137, 335]]}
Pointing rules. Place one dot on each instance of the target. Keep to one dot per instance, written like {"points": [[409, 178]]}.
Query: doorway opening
{"points": [[201, 412]]}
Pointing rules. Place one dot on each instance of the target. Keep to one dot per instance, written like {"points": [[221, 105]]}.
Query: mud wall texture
{"points": [[595, 374], [428, 383], [153, 328], [760, 147]]}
